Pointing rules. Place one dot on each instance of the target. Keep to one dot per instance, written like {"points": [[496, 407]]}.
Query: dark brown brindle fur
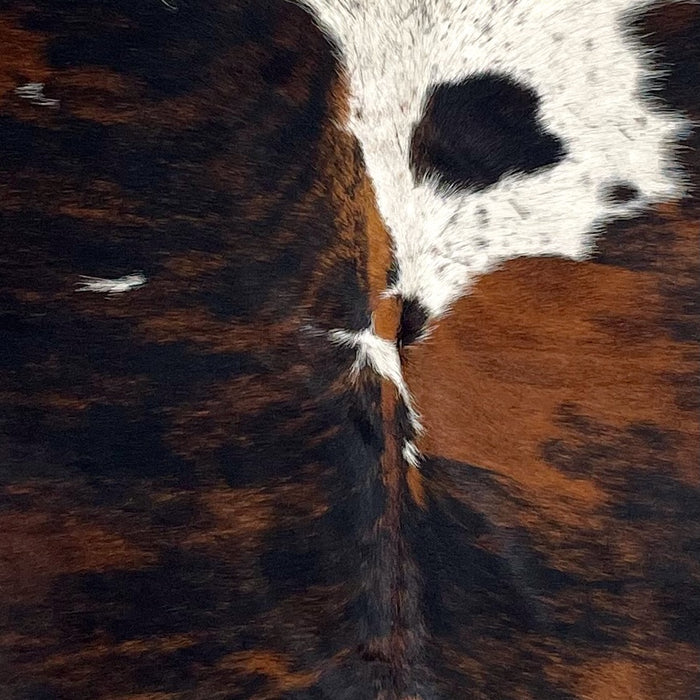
{"points": [[197, 501]]}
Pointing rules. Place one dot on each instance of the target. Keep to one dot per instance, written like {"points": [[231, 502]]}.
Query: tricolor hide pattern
{"points": [[349, 350], [492, 129]]}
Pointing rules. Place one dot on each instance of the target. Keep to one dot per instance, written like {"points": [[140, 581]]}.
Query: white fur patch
{"points": [[589, 75], [111, 286], [375, 352], [380, 355], [411, 454], [34, 92]]}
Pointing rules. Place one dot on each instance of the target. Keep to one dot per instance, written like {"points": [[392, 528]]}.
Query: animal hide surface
{"points": [[349, 349]]}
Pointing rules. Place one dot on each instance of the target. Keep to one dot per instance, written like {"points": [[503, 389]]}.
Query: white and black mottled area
{"points": [[494, 129]]}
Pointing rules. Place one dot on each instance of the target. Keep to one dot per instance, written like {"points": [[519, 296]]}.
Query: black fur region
{"points": [[475, 132], [412, 322]]}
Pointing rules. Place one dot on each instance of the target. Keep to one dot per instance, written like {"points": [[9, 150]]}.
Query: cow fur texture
{"points": [[349, 350], [493, 129]]}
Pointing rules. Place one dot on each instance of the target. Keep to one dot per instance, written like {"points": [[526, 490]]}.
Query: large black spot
{"points": [[474, 132]]}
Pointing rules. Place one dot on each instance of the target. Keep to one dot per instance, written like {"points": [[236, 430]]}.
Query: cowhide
{"points": [[349, 350]]}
